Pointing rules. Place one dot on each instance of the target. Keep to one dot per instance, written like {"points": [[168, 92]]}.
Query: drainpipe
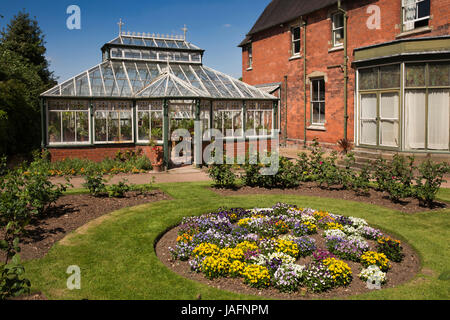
{"points": [[43, 127], [304, 81], [345, 68], [286, 110]]}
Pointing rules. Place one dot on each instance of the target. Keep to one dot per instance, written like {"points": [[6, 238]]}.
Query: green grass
{"points": [[444, 195], [118, 261]]}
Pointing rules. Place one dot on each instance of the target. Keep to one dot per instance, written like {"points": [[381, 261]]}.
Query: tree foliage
{"points": [[24, 75]]}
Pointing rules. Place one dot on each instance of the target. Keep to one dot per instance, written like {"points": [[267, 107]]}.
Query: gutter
{"points": [[345, 68]]}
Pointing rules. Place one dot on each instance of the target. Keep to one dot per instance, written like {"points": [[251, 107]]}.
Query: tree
{"points": [[24, 75], [24, 37]]}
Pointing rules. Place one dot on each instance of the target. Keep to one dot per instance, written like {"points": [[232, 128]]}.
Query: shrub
{"points": [[15, 213], [95, 182], [429, 181], [118, 190], [222, 175], [41, 190]]}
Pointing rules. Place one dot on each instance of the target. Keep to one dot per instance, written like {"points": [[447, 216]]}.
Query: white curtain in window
{"points": [[438, 119], [415, 119], [389, 119], [368, 119]]}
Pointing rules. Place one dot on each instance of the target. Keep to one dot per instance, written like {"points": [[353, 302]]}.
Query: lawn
{"points": [[118, 261]]}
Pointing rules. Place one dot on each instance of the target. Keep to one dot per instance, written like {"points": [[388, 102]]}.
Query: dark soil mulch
{"points": [[399, 273], [408, 205], [71, 212]]}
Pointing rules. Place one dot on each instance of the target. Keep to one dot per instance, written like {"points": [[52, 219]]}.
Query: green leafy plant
{"points": [[118, 190], [95, 182], [222, 175], [429, 181]]}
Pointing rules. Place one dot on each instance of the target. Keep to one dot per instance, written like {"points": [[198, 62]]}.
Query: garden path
{"points": [[182, 174]]}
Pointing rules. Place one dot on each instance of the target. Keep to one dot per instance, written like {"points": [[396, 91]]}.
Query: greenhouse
{"points": [[146, 87]]}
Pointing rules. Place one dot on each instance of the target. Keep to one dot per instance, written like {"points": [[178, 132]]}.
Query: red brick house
{"points": [[374, 72]]}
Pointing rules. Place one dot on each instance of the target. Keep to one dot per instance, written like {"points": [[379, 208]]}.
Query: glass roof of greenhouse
{"points": [[174, 69]]}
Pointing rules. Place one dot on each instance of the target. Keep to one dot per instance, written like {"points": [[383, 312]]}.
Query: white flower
{"points": [[357, 222]]}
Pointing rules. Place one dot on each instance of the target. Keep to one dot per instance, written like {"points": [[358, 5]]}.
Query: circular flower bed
{"points": [[266, 248]]}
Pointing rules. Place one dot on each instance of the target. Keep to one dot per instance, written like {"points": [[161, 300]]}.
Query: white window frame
{"points": [[107, 138], [294, 41], [62, 143], [317, 101], [410, 24], [250, 56], [221, 109], [334, 29], [256, 109], [150, 113]]}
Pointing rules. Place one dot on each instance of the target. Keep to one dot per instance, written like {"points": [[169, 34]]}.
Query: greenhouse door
{"points": [[181, 116], [379, 119]]}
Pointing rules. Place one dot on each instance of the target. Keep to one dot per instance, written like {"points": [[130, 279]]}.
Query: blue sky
{"points": [[217, 26]]}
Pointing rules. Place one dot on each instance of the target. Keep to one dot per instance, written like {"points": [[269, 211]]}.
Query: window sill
{"points": [[337, 48], [414, 32], [317, 127], [297, 56], [249, 69]]}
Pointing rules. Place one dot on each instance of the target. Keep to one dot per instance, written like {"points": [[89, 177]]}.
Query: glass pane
{"points": [[389, 133], [113, 126], [82, 86], [156, 125], [54, 127], [368, 119], [68, 123], [143, 126], [338, 20], [100, 126], [415, 75], [438, 119], [415, 119], [268, 121], [126, 133], [296, 33], [368, 106], [368, 132], [82, 126], [338, 36], [296, 47], [389, 105], [368, 79], [423, 8], [439, 74], [390, 76]]}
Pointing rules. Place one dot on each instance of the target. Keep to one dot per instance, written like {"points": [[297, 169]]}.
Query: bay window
{"points": [[427, 104], [379, 100]]}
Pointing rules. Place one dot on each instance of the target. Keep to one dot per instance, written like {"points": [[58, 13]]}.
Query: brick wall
{"points": [[271, 62], [95, 153]]}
